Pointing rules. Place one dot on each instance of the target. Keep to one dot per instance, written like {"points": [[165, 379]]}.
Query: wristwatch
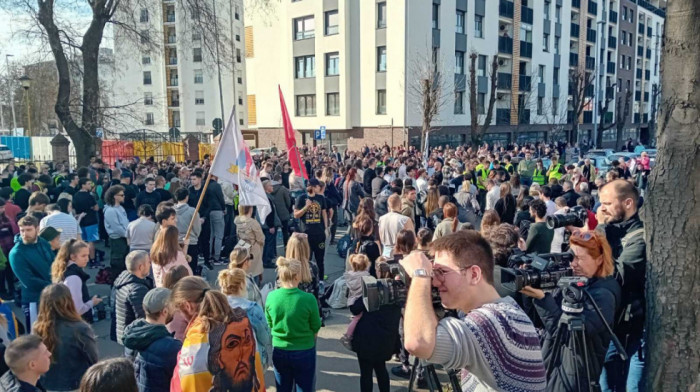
{"points": [[421, 273]]}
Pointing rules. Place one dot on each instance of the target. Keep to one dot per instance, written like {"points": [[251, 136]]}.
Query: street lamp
{"points": [[26, 82]]}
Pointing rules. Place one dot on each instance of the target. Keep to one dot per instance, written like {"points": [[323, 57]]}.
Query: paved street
{"points": [[337, 368]]}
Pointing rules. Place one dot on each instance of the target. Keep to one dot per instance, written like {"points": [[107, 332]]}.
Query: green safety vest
{"points": [[554, 173], [484, 175], [538, 177]]}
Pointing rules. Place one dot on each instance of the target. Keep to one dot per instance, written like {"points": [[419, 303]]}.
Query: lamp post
{"points": [[26, 82]]}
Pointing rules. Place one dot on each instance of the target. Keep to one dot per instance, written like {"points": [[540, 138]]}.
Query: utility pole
{"points": [[599, 70], [12, 92], [218, 65]]}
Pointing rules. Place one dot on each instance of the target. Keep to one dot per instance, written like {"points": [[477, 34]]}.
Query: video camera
{"points": [[572, 290], [538, 271], [575, 217], [379, 292]]}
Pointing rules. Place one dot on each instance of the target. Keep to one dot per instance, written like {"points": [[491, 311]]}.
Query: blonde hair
{"points": [[288, 269], [232, 281], [238, 257], [298, 249], [213, 305], [359, 262], [69, 248]]}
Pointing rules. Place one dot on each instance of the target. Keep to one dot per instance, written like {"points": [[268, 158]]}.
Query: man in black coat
{"points": [[569, 194], [369, 175], [128, 291]]}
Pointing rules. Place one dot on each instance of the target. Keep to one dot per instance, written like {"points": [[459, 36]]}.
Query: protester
{"points": [[166, 254], [141, 232], [70, 340], [298, 249], [312, 209], [539, 238], [449, 224], [359, 268], [505, 206], [116, 225], [28, 359], [366, 242], [84, 203], [149, 195], [270, 225], [186, 215], [240, 258], [391, 224], [217, 208], [128, 291], [67, 268], [60, 217], [116, 374], [249, 230]]}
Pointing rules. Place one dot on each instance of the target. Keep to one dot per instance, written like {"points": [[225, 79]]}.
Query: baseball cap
{"points": [[156, 300], [314, 182], [49, 233]]}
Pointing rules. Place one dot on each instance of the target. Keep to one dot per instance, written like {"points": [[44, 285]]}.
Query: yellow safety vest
{"points": [[484, 176], [509, 168], [554, 173], [538, 177]]}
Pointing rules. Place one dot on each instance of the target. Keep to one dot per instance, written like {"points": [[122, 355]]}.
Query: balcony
{"points": [[505, 9], [575, 29], [655, 10], [172, 39], [525, 83], [573, 59], [593, 8], [525, 49], [613, 17], [504, 81], [505, 45], [524, 116], [174, 103], [170, 17], [590, 35], [590, 63], [173, 82], [587, 117], [576, 3], [526, 15], [502, 116], [611, 67], [647, 74], [172, 61], [612, 42], [637, 96]]}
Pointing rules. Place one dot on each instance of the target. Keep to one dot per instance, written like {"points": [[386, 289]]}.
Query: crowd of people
{"points": [[453, 219]]}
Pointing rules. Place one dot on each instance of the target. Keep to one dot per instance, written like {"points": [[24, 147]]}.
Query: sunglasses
{"points": [[584, 235]]}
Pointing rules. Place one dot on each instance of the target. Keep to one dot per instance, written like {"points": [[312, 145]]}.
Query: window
{"points": [[481, 103], [147, 77], [555, 75], [238, 55], [200, 121], [459, 102], [199, 97], [557, 14], [459, 62], [526, 33], [237, 14], [555, 106], [481, 65], [540, 106], [148, 99], [305, 67], [149, 119], [624, 12], [436, 14], [459, 27], [381, 59], [196, 37], [332, 64], [556, 44], [144, 15], [631, 16], [306, 105], [333, 104], [545, 42], [238, 37], [381, 101], [541, 72], [331, 18], [619, 85], [381, 15], [197, 55], [144, 36], [547, 6], [304, 28], [478, 26], [176, 119], [145, 59], [198, 76]]}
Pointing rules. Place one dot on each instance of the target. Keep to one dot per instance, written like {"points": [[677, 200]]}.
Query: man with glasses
{"points": [[493, 340]]}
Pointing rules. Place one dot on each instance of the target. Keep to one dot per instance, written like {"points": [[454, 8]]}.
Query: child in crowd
{"points": [[359, 265]]}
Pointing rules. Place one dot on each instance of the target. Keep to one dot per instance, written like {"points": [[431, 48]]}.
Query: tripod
{"points": [[432, 377], [574, 322]]}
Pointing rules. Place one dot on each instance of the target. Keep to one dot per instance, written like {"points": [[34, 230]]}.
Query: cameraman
{"points": [[493, 340], [564, 355]]}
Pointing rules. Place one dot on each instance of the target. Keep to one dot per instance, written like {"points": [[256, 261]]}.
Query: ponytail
{"points": [[60, 264]]}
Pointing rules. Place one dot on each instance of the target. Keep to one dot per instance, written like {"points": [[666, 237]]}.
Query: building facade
{"points": [[354, 67], [174, 83]]}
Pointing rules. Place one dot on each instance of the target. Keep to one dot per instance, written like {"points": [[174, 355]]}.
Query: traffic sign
{"points": [[317, 134], [99, 133]]}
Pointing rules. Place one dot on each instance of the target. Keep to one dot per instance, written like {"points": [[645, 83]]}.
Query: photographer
{"points": [[564, 353], [493, 339]]}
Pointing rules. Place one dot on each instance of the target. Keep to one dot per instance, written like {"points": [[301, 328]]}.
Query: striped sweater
{"points": [[496, 346]]}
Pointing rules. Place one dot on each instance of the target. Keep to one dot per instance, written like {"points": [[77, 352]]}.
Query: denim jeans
{"points": [[270, 249], [216, 219], [621, 376], [294, 370]]}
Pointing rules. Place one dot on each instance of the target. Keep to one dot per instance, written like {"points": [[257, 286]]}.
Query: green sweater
{"points": [[293, 319], [539, 238]]}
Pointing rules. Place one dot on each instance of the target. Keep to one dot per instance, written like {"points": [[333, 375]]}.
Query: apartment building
{"points": [[353, 67], [175, 85]]}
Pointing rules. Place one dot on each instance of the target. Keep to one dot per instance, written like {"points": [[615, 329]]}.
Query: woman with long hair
{"points": [[431, 201], [405, 243], [294, 320], [70, 340], [233, 283], [506, 205], [366, 242], [449, 224], [366, 209], [167, 254], [178, 325], [219, 339], [491, 219], [468, 204], [298, 249], [241, 258], [249, 230], [353, 192], [67, 268]]}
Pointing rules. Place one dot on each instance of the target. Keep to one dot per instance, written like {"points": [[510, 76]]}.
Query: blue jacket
{"points": [[156, 354], [32, 266]]}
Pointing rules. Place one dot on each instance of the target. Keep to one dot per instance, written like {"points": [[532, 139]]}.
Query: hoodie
{"points": [[156, 354], [184, 217], [116, 221], [354, 282], [32, 266], [283, 203]]}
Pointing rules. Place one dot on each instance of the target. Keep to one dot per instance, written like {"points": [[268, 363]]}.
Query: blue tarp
{"points": [[21, 146]]}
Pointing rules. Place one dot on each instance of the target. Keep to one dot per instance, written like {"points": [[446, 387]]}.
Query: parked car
{"points": [[602, 152], [616, 156], [5, 153]]}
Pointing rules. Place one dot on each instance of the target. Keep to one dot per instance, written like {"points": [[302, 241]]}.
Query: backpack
{"points": [[343, 245]]}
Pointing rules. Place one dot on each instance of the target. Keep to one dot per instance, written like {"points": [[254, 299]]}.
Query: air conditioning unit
{"points": [[502, 27], [500, 96], [501, 62]]}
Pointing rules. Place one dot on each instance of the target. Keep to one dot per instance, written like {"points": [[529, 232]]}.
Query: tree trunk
{"points": [[671, 213]]}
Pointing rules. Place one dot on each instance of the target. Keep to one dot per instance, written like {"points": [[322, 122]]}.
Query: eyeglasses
{"points": [[439, 273]]}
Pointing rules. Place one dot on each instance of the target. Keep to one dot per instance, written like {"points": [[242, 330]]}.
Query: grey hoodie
{"points": [[283, 203], [184, 216], [354, 281]]}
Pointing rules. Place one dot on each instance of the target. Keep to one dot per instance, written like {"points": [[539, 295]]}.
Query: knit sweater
{"points": [[293, 319], [497, 347]]}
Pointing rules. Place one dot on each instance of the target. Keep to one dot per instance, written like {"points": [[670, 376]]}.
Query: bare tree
{"points": [[580, 82], [622, 113], [479, 128], [603, 109]]}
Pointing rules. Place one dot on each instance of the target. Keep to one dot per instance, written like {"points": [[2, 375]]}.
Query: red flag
{"points": [[292, 150]]}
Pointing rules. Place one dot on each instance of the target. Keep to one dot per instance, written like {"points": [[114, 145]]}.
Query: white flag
{"points": [[233, 163]]}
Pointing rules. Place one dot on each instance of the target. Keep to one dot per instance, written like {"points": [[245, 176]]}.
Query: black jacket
{"points": [[128, 292], [377, 333], [367, 178], [10, 383], [156, 354], [561, 371], [215, 197], [194, 198], [151, 199], [74, 270], [75, 353], [570, 197]]}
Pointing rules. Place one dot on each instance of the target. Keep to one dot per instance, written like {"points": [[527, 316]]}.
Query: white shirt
{"points": [[558, 238], [422, 185], [551, 208], [63, 222], [492, 197]]}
